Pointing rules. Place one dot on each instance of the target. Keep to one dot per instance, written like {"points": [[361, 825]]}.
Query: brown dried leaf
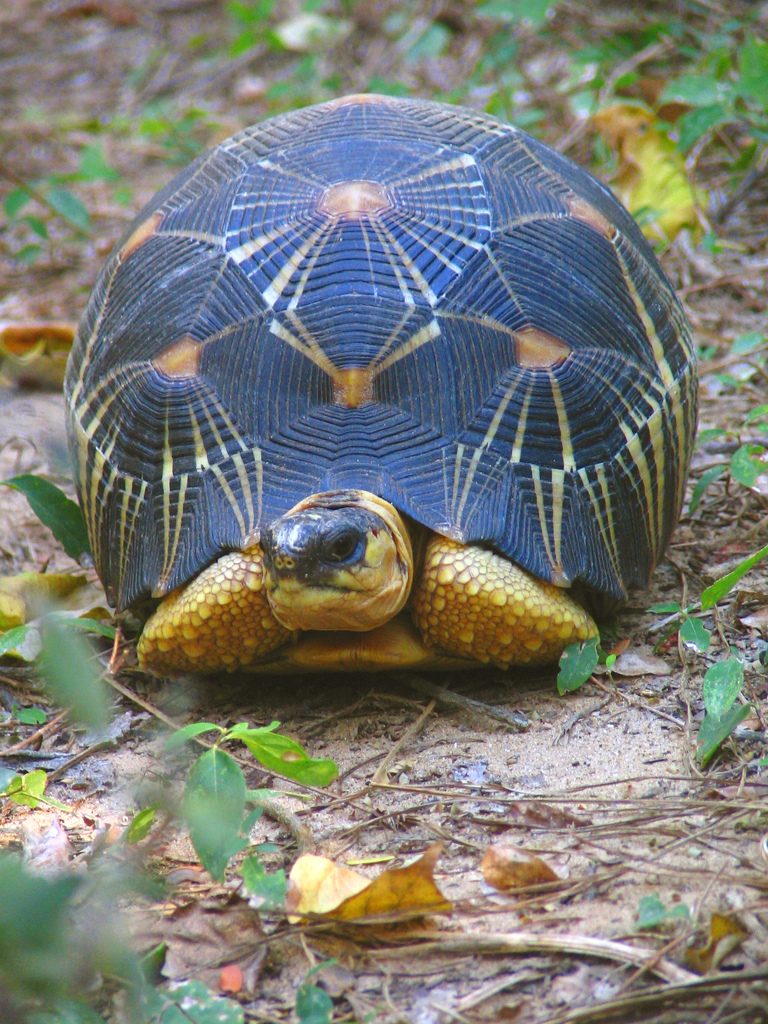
{"points": [[49, 851], [211, 937], [758, 619], [725, 935], [506, 867], [318, 886], [539, 814], [640, 663]]}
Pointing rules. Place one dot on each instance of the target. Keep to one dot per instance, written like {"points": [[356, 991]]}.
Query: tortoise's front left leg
{"points": [[221, 620], [475, 604]]}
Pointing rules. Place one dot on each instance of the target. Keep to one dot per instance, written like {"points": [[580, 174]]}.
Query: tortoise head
{"points": [[340, 560]]}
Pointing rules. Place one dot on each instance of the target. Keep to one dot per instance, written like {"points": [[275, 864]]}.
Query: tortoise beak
{"points": [[315, 547]]}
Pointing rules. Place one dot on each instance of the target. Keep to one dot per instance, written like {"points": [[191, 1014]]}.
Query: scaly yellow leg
{"points": [[473, 603], [221, 620]]}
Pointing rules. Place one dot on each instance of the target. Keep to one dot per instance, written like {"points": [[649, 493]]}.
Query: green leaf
{"points": [[713, 731], [37, 225], [696, 90], [55, 510], [34, 929], [748, 342], [716, 591], [707, 477], [94, 165], [746, 466], [84, 625], [67, 1012], [27, 789], [758, 415], [13, 638], [534, 12], [15, 202], [313, 1005], [27, 254], [281, 754], [651, 912], [141, 825], [431, 43], [68, 206], [29, 716], [665, 608], [188, 732], [693, 633], [577, 663], [752, 83], [66, 665], [191, 1002], [269, 887], [722, 685], [695, 124], [214, 804]]}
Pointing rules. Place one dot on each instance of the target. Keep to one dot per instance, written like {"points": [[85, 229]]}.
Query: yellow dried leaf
{"points": [[35, 352], [411, 888], [725, 935], [652, 177], [505, 867], [24, 596], [318, 886]]}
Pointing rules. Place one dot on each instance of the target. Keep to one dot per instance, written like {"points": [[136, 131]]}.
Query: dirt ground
{"points": [[603, 785]]}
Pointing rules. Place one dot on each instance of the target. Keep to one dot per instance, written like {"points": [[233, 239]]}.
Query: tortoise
{"points": [[374, 384]]}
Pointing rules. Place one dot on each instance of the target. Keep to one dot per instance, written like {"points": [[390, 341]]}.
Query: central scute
{"points": [[355, 199], [403, 222]]}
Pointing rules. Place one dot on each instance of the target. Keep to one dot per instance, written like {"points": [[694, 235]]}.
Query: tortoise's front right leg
{"points": [[475, 604], [221, 620]]}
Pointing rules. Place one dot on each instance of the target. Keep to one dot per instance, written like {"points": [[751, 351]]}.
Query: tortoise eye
{"points": [[343, 546]]}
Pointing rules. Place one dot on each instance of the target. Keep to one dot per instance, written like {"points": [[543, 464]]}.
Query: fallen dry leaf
{"points": [[538, 814], [652, 176], [318, 886], [47, 852], [35, 353], [506, 867], [24, 596], [210, 939], [758, 619], [725, 935], [640, 663]]}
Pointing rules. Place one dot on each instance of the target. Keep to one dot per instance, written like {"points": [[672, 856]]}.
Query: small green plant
{"points": [[721, 689], [313, 1004], [27, 790], [727, 85], [749, 460], [723, 681], [219, 809], [577, 663], [652, 913], [33, 206], [55, 510]]}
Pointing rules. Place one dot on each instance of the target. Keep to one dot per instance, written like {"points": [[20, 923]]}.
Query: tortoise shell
{"points": [[392, 295]]}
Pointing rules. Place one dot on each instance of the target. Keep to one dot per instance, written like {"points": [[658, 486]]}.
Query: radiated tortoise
{"points": [[379, 383]]}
